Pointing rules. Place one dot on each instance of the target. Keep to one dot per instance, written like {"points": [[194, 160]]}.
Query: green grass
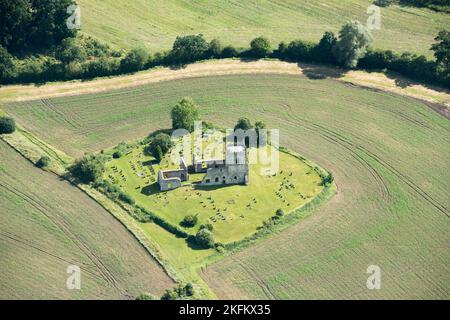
{"points": [[46, 225], [235, 211], [389, 156], [155, 24]]}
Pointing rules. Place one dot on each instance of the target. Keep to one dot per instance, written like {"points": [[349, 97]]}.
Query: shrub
{"points": [[125, 197], [327, 179], [260, 47], [117, 154], [69, 50], [7, 125], [207, 226], [189, 289], [280, 212], [184, 114], [146, 296], [189, 221], [43, 162], [179, 292], [204, 238], [88, 169]]}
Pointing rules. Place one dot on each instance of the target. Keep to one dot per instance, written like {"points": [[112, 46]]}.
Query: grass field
{"points": [[235, 211], [47, 225], [389, 155], [155, 24]]}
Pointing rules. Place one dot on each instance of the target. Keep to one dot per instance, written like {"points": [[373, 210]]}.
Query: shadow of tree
{"points": [[321, 72]]}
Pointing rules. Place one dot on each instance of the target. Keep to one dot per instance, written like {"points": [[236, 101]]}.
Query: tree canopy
{"points": [[244, 124], [189, 48], [7, 125], [88, 169], [38, 23], [159, 146], [354, 39], [260, 47], [205, 238], [442, 48], [134, 60], [184, 114]]}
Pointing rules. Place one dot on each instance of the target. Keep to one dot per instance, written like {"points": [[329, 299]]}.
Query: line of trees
{"points": [[83, 57], [436, 5]]}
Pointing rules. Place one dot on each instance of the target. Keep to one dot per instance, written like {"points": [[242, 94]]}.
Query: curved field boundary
{"points": [[375, 80]]}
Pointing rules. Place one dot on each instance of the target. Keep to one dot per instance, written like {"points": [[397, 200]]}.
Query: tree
{"points": [[215, 49], [88, 169], [159, 146], [442, 49], [189, 48], [323, 52], [205, 238], [49, 22], [189, 289], [353, 42], [229, 52], [69, 51], [279, 212], [300, 50], [43, 162], [189, 221], [14, 16], [135, 60], [184, 114], [260, 47], [244, 124], [7, 125], [7, 67], [260, 125], [39, 23]]}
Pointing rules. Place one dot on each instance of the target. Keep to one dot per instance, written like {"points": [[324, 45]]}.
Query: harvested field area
{"points": [[47, 225], [388, 153]]}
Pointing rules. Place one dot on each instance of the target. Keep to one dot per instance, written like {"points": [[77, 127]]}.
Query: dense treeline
{"points": [[68, 56], [436, 5], [34, 24]]}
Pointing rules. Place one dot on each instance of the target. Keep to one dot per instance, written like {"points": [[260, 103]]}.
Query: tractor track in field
{"points": [[49, 104], [106, 274], [264, 287], [27, 243], [383, 186], [346, 143]]}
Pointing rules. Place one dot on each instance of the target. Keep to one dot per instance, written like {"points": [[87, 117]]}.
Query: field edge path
{"points": [[438, 98]]}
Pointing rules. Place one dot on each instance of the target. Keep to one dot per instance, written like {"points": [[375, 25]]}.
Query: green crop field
{"points": [[235, 211], [155, 24], [47, 224], [389, 156]]}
